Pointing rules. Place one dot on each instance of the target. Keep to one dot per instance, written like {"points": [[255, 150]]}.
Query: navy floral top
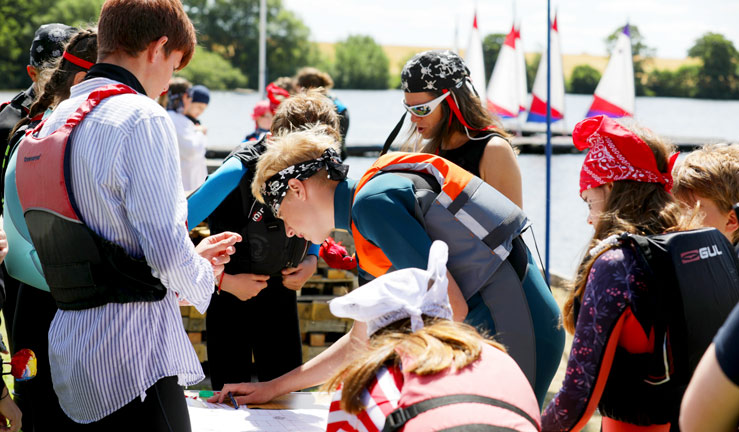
{"points": [[616, 283]]}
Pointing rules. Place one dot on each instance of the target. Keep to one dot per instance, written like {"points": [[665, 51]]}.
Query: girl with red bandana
{"points": [[625, 180]]}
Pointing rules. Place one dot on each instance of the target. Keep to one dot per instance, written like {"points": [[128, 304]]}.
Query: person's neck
{"points": [[135, 65], [455, 140], [330, 190]]}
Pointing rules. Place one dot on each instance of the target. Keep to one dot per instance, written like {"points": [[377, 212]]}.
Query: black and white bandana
{"points": [[433, 71], [48, 43], [275, 189]]}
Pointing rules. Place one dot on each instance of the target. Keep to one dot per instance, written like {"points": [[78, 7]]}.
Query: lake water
{"points": [[374, 113]]}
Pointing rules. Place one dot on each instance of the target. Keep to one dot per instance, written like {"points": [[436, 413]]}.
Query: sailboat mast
{"points": [[549, 143], [262, 48]]}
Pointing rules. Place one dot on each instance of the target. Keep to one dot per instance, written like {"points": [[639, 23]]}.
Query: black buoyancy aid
{"points": [[83, 270], [694, 285], [266, 249]]}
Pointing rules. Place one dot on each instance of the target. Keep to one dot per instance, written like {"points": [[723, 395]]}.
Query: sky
{"points": [[669, 26]]}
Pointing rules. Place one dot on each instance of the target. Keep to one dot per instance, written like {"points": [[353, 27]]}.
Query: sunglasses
{"points": [[424, 109]]}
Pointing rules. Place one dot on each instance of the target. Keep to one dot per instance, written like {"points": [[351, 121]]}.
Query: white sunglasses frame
{"points": [[432, 104]]}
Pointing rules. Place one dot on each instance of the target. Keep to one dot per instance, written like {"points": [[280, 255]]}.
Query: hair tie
{"points": [[84, 64]]}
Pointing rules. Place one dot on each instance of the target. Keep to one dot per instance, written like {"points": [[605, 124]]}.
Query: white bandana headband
{"points": [[408, 293]]}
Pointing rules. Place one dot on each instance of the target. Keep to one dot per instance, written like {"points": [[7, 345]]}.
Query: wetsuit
{"points": [[550, 336], [256, 135], [269, 316], [383, 213], [613, 333], [727, 347]]}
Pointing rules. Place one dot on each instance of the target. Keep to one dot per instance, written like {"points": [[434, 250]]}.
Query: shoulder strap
{"points": [[88, 105], [393, 135], [398, 418]]}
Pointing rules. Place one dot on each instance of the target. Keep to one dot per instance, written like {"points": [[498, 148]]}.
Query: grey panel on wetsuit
{"points": [[504, 296], [473, 259]]}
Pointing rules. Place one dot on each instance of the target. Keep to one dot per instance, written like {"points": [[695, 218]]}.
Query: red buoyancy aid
{"points": [[83, 270], [491, 393]]}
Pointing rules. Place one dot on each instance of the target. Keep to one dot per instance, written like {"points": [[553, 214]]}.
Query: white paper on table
{"points": [[207, 417]]}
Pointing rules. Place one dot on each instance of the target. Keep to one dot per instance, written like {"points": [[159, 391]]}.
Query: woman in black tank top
{"points": [[450, 120]]}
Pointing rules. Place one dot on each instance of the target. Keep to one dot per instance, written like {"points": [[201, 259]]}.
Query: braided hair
{"points": [[83, 45]]}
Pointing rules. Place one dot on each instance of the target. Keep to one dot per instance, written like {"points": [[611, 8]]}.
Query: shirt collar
{"points": [[343, 197], [115, 73]]}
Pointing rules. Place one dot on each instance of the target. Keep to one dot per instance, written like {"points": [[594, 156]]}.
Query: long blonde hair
{"points": [[439, 345], [632, 207]]}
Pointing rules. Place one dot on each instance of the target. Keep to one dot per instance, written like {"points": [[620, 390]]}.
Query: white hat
{"points": [[407, 293]]}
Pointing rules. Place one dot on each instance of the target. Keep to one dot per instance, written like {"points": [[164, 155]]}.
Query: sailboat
{"points": [[615, 96], [474, 60], [538, 109], [504, 96]]}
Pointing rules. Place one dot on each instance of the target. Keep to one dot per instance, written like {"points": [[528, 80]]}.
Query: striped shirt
{"points": [[126, 180], [380, 398]]}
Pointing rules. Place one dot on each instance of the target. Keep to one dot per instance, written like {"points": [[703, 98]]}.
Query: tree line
{"points": [[227, 53]]}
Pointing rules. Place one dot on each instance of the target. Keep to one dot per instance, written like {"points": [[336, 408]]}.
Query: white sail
{"points": [[538, 109], [503, 88], [615, 95], [474, 60]]}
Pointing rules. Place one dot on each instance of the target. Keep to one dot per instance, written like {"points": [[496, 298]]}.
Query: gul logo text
{"points": [[257, 216], [699, 254]]}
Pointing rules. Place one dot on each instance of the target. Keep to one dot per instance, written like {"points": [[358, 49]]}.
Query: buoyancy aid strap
{"points": [[94, 98], [452, 178], [398, 418]]}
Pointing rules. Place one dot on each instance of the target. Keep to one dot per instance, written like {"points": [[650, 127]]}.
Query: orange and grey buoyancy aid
{"points": [[476, 221], [482, 228], [83, 270]]}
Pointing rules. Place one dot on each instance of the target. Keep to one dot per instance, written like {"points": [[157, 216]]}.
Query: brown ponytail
{"points": [[83, 45]]}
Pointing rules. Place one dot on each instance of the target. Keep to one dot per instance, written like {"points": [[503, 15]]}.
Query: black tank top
{"points": [[469, 154]]}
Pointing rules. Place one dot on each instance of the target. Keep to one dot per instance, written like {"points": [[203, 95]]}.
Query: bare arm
{"points": [[711, 400], [456, 299], [499, 168], [314, 372]]}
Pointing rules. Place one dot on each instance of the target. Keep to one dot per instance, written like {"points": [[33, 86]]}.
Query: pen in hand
{"points": [[233, 400]]}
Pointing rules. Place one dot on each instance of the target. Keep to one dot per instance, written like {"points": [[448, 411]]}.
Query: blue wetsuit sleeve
{"points": [[383, 212], [216, 188], [313, 249]]}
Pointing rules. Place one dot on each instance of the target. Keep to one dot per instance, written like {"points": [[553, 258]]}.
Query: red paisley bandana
{"points": [[615, 154]]}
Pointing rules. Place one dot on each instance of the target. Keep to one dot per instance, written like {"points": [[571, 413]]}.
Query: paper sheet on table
{"points": [[306, 414]]}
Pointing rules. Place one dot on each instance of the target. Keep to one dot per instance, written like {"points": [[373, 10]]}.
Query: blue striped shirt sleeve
{"points": [[156, 209]]}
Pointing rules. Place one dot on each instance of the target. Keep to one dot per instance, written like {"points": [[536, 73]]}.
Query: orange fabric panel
{"points": [[605, 369], [611, 425], [371, 258], [455, 178]]}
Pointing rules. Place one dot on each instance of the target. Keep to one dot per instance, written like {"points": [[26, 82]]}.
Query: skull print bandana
{"points": [[433, 71], [615, 154], [275, 189]]}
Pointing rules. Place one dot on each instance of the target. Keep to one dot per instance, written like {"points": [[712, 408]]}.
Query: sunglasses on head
{"points": [[424, 109]]}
